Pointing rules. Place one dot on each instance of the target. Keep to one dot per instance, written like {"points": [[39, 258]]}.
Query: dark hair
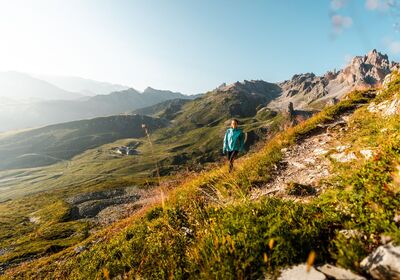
{"points": [[235, 120]]}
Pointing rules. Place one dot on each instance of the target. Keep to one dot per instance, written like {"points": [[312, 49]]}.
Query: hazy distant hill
{"points": [[197, 124], [166, 109], [85, 86], [26, 115], [50, 144], [20, 86]]}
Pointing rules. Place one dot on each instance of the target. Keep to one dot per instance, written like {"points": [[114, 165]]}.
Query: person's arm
{"points": [[241, 142], [225, 142]]}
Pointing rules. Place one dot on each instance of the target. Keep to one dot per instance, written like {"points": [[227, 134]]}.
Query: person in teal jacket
{"points": [[233, 142]]}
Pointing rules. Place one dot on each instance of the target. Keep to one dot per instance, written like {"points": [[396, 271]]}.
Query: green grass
{"points": [[25, 192], [49, 233], [61, 142], [210, 229]]}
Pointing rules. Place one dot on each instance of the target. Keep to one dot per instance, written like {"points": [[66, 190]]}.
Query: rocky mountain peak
{"points": [[361, 72], [251, 87], [367, 70], [148, 89], [302, 77], [377, 59]]}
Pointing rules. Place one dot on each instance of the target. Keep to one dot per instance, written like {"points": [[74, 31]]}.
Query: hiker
{"points": [[233, 142]]}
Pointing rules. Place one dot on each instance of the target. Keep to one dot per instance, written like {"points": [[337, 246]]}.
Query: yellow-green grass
{"points": [[209, 228], [27, 191]]}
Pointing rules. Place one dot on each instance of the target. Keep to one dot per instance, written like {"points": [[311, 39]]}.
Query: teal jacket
{"points": [[233, 140]]}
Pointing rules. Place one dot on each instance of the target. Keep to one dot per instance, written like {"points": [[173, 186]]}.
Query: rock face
{"points": [[290, 109], [300, 272], [344, 157], [91, 204], [386, 108], [308, 90], [383, 263], [251, 87], [338, 273], [366, 70], [306, 86], [227, 102], [305, 91]]}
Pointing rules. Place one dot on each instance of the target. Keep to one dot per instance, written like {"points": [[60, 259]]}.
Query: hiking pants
{"points": [[231, 157]]}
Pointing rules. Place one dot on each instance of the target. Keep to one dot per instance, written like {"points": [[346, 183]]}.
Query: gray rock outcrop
{"points": [[308, 90], [89, 205], [299, 272], [383, 263], [338, 273]]}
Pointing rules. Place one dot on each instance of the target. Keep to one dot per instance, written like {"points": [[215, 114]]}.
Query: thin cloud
{"points": [[338, 4], [394, 47], [381, 5], [340, 23]]}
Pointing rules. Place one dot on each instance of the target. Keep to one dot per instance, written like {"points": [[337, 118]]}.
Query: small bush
{"points": [[300, 189]]}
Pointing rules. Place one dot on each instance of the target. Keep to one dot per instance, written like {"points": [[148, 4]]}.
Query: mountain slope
{"points": [[201, 121], [60, 142], [224, 103], [311, 91], [162, 94], [304, 91], [20, 86], [84, 86], [224, 222], [168, 109], [211, 226], [26, 115]]}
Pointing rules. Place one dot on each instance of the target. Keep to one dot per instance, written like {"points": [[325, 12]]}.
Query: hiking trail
{"points": [[307, 162]]}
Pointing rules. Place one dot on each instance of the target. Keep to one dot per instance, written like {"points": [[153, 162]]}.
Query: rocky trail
{"points": [[306, 164]]}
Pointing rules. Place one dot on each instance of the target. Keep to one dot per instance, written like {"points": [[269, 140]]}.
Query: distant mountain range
{"points": [[195, 124], [19, 86], [27, 102], [86, 87]]}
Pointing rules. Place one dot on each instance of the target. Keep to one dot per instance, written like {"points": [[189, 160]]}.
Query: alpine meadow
{"points": [[200, 139]]}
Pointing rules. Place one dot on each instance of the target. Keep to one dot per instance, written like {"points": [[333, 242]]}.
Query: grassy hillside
{"points": [[196, 129], [175, 148], [55, 143], [168, 109], [210, 227]]}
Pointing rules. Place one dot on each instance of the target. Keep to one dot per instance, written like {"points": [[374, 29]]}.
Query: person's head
{"points": [[234, 123]]}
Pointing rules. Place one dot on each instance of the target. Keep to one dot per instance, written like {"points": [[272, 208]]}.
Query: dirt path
{"points": [[306, 162]]}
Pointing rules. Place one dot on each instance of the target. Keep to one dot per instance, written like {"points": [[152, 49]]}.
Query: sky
{"points": [[192, 46]]}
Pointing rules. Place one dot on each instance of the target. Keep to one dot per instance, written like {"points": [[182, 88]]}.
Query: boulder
{"points": [[393, 108], [387, 108], [290, 109], [350, 233], [387, 80], [299, 272], [343, 157], [338, 273], [80, 249], [383, 263], [366, 153], [342, 148], [332, 101]]}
